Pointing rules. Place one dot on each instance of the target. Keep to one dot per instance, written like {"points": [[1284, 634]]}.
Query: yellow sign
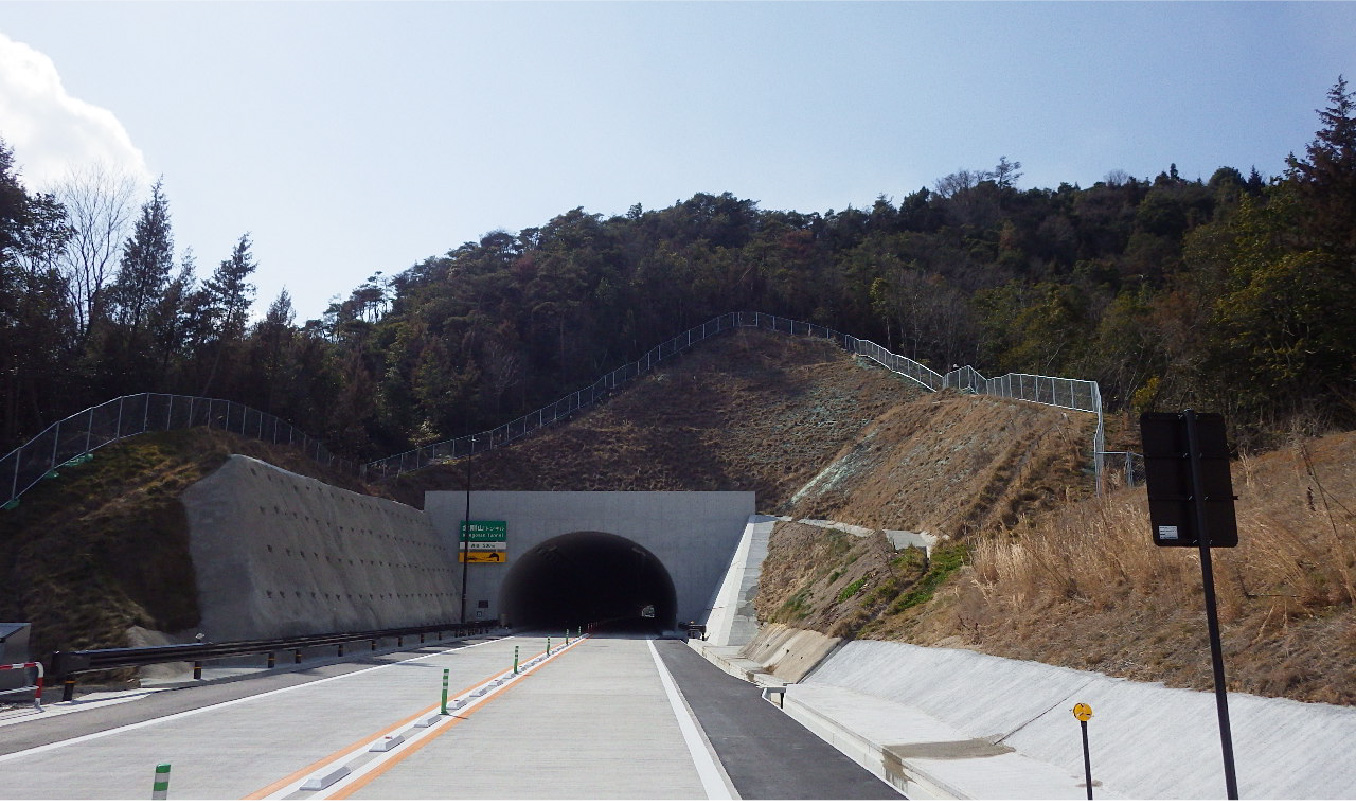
{"points": [[484, 556], [1082, 712]]}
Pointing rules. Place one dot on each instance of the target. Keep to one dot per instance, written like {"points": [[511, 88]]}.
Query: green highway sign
{"points": [[484, 531]]}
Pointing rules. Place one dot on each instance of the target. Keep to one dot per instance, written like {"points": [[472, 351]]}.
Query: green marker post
{"points": [[160, 790], [515, 660], [445, 691], [548, 646]]}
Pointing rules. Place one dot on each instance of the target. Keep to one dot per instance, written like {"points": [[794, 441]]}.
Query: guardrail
{"points": [[66, 664]]}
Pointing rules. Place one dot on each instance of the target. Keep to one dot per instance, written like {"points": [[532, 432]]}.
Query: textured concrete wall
{"points": [[279, 554], [732, 621], [693, 534]]}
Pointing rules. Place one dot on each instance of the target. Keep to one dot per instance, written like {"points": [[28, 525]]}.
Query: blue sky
{"points": [[354, 137]]}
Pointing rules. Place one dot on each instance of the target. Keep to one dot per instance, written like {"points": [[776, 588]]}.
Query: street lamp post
{"points": [[464, 527]]}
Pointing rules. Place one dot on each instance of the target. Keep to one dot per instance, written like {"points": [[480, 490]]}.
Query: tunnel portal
{"points": [[589, 577]]}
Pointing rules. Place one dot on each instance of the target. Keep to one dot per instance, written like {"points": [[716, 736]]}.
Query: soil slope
{"points": [[749, 411]]}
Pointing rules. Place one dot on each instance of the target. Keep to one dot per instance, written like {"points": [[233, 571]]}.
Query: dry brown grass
{"points": [[1085, 586]]}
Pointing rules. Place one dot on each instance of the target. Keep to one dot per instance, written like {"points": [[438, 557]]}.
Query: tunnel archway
{"points": [[589, 577]]}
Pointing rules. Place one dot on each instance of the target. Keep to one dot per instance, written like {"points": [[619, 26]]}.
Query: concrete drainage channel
{"points": [[350, 767]]}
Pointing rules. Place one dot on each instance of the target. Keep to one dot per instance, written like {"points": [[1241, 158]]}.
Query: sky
{"points": [[350, 138]]}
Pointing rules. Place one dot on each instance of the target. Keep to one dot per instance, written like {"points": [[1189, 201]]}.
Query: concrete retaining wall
{"points": [[788, 653], [731, 620], [278, 554]]}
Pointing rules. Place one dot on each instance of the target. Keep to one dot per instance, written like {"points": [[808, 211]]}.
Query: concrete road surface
{"points": [[599, 719]]}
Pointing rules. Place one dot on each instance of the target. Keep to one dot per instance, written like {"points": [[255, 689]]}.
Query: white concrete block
{"points": [[322, 780], [387, 743]]}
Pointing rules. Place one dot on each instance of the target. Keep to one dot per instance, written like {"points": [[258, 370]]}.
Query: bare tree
{"points": [[1117, 177], [959, 182], [1006, 173], [100, 203]]}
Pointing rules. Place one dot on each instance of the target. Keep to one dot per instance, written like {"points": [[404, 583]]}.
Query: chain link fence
{"points": [[71, 440], [84, 432], [1067, 393]]}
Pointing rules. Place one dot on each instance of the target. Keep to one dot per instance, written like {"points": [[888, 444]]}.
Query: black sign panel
{"points": [[1172, 495]]}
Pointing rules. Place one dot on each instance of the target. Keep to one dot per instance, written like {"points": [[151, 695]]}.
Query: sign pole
{"points": [[1211, 614], [1087, 758], [1083, 713], [465, 535]]}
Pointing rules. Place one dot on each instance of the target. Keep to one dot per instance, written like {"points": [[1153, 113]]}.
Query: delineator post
{"points": [[160, 790]]}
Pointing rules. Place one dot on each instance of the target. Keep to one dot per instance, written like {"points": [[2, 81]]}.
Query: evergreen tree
{"points": [[147, 259], [230, 292], [227, 297], [1326, 177]]}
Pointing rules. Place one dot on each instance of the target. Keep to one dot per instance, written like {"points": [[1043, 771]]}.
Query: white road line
{"points": [[222, 705], [714, 779]]}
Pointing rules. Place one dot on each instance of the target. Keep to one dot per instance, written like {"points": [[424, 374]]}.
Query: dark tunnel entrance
{"points": [[589, 577]]}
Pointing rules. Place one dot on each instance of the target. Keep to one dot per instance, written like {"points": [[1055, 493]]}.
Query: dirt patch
{"points": [[832, 581], [749, 411], [953, 464]]}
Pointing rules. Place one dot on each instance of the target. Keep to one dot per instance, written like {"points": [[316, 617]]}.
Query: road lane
{"points": [[765, 753], [234, 748], [594, 724]]}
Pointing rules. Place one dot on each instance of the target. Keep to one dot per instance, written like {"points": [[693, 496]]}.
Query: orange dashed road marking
{"points": [[396, 757], [367, 778]]}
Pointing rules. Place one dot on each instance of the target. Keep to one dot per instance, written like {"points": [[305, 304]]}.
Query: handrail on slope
{"points": [[1069, 393], [130, 415], [69, 441]]}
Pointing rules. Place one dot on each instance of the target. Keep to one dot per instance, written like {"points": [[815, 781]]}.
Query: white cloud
{"points": [[50, 132]]}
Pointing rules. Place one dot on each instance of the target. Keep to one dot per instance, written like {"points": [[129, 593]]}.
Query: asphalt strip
{"points": [[714, 781]]}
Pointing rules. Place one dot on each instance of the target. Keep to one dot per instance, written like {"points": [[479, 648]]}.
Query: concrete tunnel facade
{"points": [[574, 558]]}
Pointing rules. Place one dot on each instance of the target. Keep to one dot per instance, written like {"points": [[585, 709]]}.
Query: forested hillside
{"points": [[1232, 293]]}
